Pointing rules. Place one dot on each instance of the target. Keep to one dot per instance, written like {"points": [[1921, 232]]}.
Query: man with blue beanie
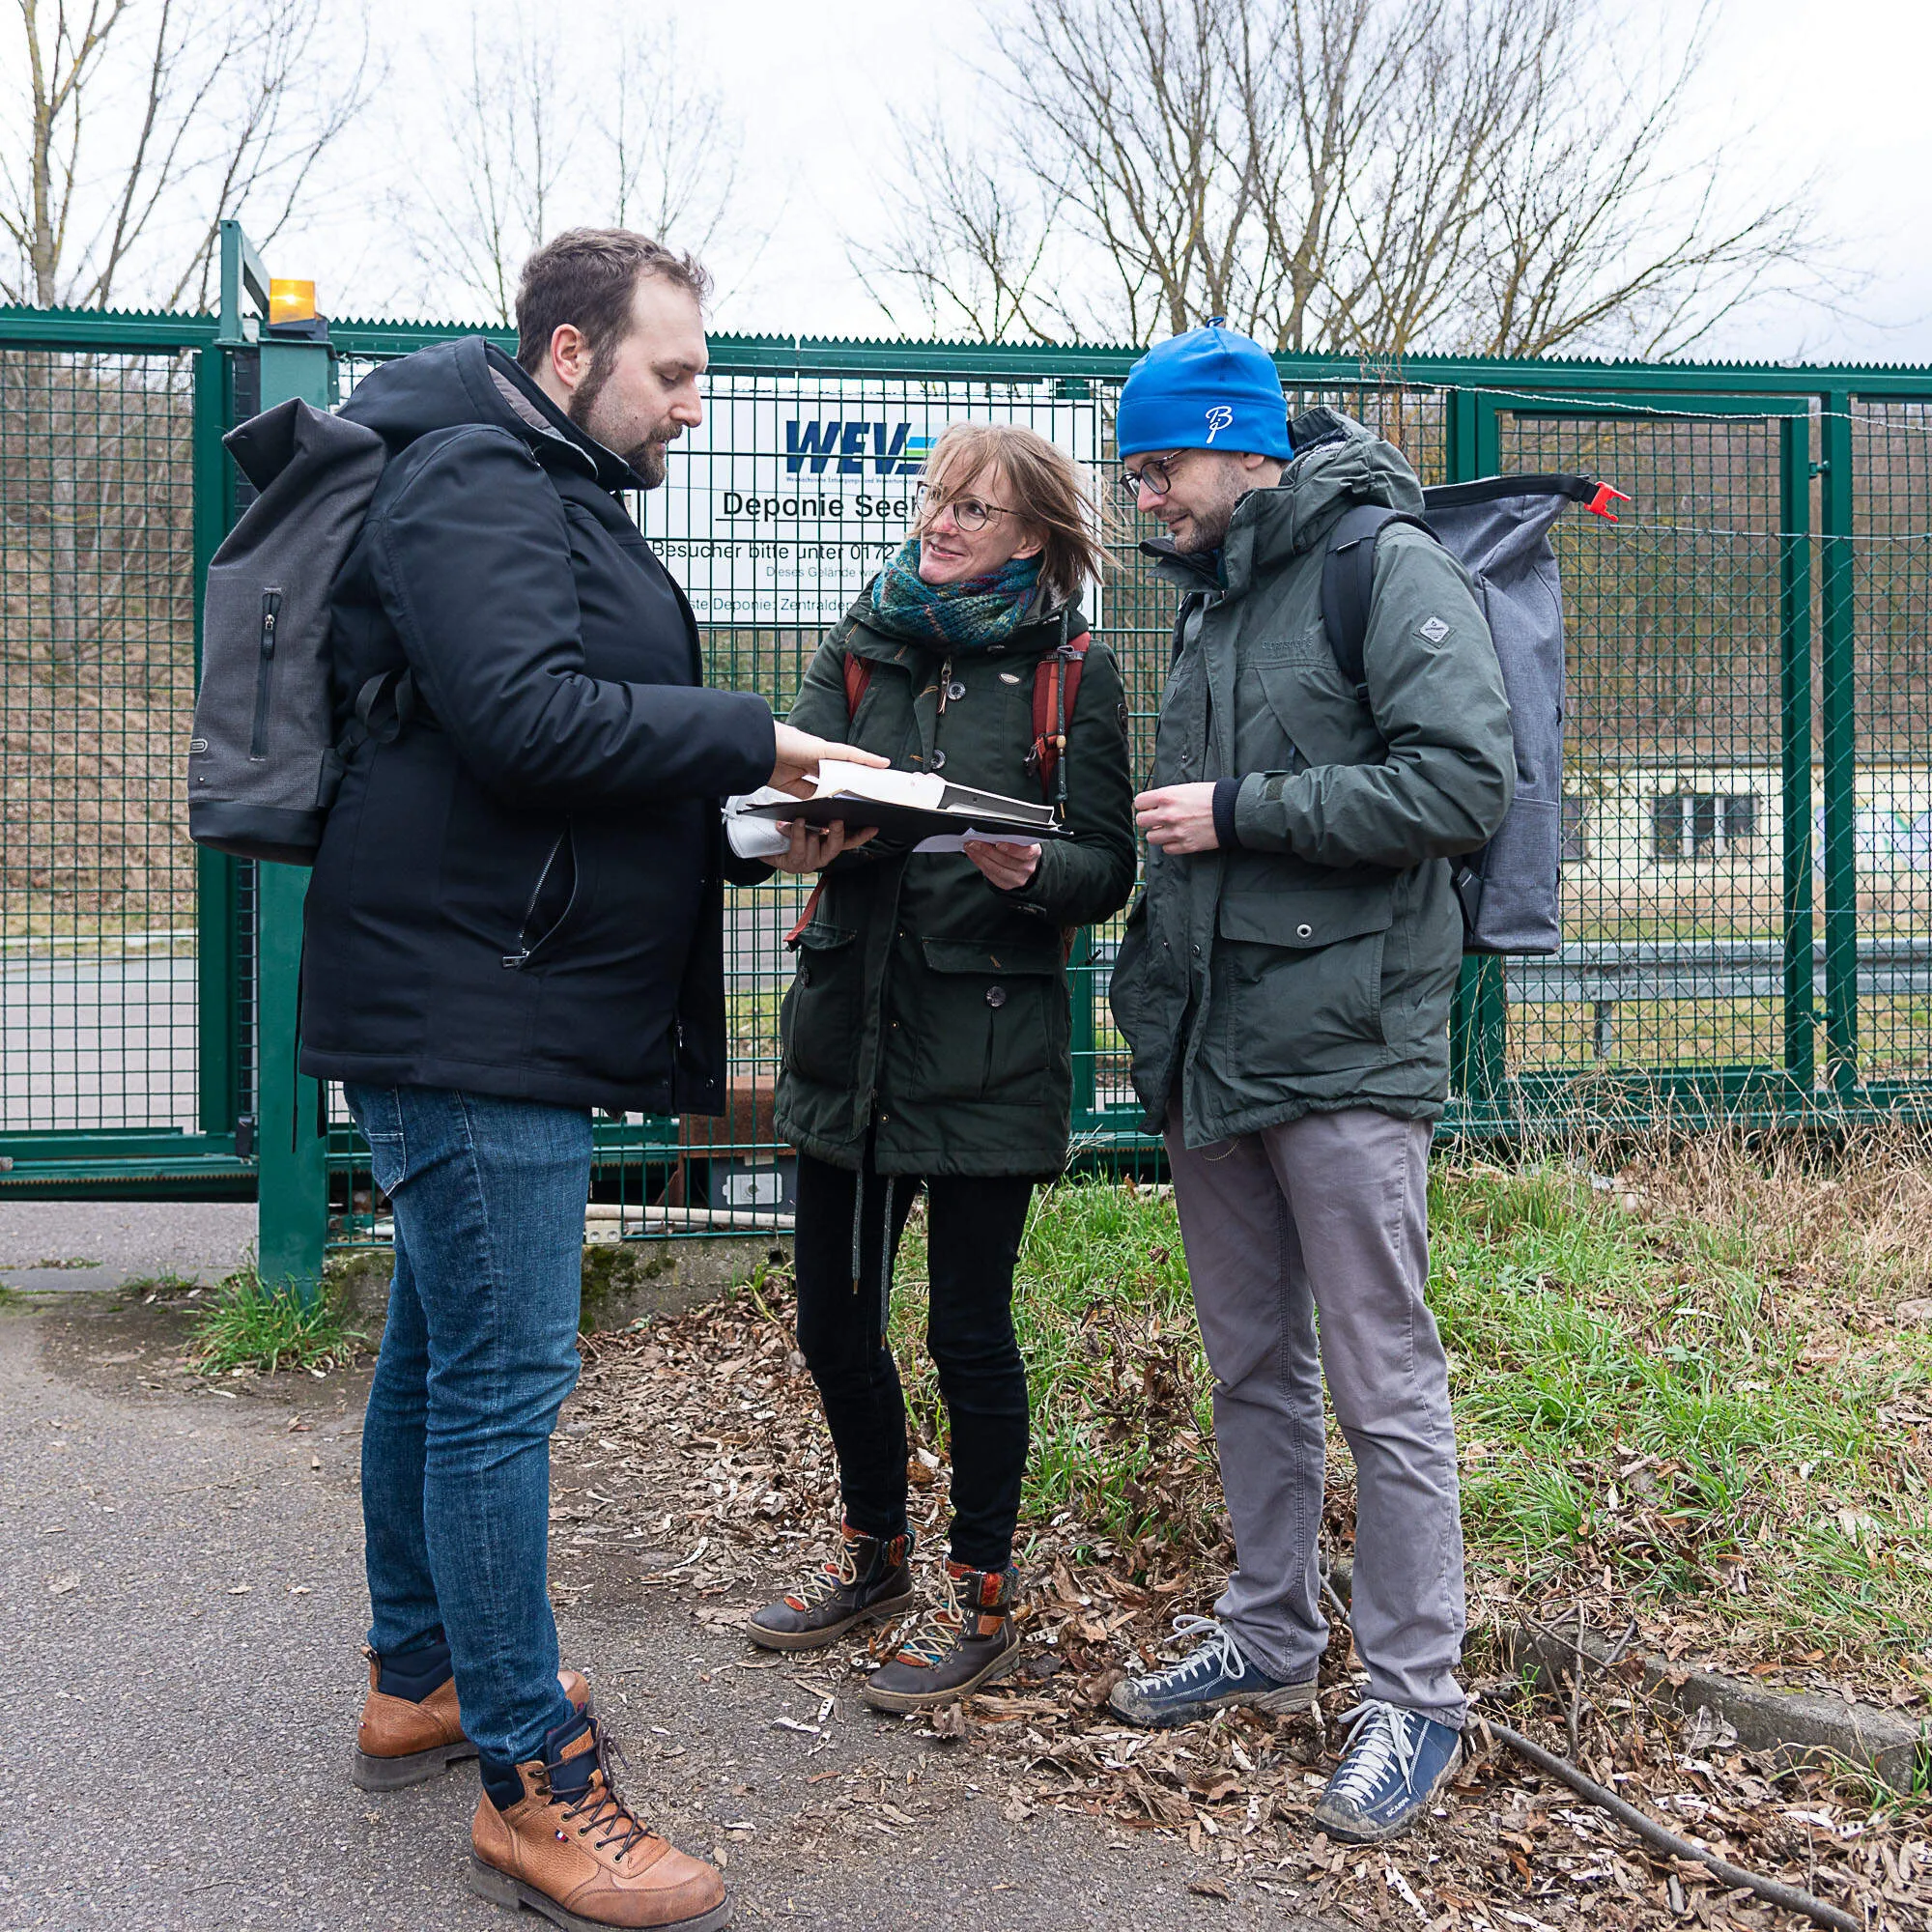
{"points": [[1284, 985]]}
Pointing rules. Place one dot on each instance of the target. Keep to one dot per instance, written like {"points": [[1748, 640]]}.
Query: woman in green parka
{"points": [[926, 1033]]}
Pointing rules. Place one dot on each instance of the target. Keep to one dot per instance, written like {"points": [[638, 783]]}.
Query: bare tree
{"points": [[1373, 177], [137, 125], [611, 132]]}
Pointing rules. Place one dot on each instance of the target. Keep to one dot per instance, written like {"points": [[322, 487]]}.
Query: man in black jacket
{"points": [[515, 918]]}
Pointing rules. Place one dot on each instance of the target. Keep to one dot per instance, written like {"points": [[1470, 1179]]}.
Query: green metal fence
{"points": [[1749, 825]]}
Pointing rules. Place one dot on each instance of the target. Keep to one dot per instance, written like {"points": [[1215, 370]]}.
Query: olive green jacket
{"points": [[929, 1005], [1312, 966]]}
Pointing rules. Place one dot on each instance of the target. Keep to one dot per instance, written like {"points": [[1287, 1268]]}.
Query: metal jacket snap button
{"points": [[938, 761], [955, 691], [996, 996], [1302, 931]]}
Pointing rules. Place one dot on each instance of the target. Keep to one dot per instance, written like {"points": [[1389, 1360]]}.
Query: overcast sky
{"points": [[1838, 88]]}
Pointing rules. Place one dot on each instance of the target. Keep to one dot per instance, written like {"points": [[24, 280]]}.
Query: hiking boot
{"points": [[1394, 1763], [408, 1732], [968, 1642], [868, 1578], [570, 1848], [1208, 1680]]}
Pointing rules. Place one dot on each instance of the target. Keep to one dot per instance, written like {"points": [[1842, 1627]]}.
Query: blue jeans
{"points": [[479, 1354]]}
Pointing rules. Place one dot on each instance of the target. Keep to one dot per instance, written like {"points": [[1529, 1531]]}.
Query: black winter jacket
{"points": [[523, 894]]}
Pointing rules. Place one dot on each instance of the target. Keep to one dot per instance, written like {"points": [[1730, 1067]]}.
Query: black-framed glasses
{"points": [[970, 513], [1155, 476]]}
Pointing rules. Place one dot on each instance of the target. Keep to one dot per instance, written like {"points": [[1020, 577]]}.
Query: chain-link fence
{"points": [[1748, 861]]}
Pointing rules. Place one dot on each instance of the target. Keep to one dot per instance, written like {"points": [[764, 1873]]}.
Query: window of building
{"points": [[1702, 824]]}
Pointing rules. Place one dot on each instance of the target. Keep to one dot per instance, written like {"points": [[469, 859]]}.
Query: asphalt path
{"points": [[180, 1606]]}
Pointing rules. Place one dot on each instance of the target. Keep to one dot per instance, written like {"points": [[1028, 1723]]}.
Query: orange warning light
{"points": [[291, 302]]}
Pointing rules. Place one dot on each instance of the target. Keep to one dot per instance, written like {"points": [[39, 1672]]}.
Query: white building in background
{"points": [[1672, 829]]}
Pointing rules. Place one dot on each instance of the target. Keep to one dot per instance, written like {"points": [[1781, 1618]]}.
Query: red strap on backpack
{"points": [[1055, 684]]}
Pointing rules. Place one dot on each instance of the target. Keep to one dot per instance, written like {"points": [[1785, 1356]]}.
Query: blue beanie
{"points": [[1212, 389]]}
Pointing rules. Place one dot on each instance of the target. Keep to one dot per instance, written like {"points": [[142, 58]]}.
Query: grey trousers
{"points": [[1329, 1216]]}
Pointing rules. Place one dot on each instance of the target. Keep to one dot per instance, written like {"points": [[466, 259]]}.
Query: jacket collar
{"points": [[512, 397]]}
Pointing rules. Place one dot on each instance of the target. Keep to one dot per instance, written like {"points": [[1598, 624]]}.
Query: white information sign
{"points": [[780, 507]]}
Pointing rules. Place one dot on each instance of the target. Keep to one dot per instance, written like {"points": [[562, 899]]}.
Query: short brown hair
{"points": [[1050, 496], [586, 276]]}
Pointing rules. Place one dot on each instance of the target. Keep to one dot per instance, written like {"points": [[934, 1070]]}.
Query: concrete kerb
{"points": [[1795, 1727], [623, 1281]]}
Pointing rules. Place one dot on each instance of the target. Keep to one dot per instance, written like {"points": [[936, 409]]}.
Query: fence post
{"points": [[291, 1215], [1479, 1018], [1793, 594], [216, 955], [1838, 700]]}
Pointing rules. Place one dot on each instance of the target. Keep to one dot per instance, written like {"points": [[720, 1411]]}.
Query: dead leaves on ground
{"points": [[697, 1450]]}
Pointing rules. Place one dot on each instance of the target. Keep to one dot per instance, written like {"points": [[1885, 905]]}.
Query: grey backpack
{"points": [[265, 761], [1499, 530]]}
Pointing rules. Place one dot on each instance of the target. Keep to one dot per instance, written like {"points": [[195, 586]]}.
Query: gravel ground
{"points": [[183, 1599], [99, 1244]]}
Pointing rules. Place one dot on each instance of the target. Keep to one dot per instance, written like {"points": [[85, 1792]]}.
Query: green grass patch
{"points": [[249, 1326], [1652, 1404]]}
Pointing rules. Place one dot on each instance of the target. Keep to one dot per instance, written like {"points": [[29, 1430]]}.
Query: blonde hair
{"points": [[1050, 496]]}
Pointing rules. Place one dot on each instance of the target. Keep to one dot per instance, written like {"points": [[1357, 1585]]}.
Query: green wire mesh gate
{"points": [[1747, 830]]}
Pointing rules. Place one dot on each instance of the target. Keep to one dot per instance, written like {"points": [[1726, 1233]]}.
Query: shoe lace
{"points": [[1379, 1740], [938, 1633], [1219, 1655], [828, 1580], [599, 1807]]}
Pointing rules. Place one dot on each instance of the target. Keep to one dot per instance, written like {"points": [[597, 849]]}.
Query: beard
{"points": [[647, 454], [1208, 526]]}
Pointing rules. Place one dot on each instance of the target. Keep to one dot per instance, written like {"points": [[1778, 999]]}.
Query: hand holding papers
{"points": [[909, 806]]}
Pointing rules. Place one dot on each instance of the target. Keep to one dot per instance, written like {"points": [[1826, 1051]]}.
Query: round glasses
{"points": [[970, 513], [1154, 475]]}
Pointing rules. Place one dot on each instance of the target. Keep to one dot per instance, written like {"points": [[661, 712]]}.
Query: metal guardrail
{"points": [[1603, 975]]}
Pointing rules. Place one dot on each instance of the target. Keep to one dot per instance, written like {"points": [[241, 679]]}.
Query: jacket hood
{"points": [[471, 380], [1353, 464]]}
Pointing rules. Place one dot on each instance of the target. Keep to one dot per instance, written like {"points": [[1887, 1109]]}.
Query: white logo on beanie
{"points": [[1218, 419]]}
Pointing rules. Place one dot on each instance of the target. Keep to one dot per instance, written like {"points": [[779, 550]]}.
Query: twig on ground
{"points": [[1786, 1896]]}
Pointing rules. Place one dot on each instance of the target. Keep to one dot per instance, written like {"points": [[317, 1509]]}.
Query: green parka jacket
{"points": [[929, 1006], [1312, 966]]}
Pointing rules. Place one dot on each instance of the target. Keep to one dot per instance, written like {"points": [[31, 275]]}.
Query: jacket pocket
{"points": [[993, 1022], [823, 1013], [552, 901], [1300, 976]]}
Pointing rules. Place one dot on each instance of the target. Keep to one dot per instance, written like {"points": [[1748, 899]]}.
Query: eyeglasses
{"points": [[968, 512], [1155, 476]]}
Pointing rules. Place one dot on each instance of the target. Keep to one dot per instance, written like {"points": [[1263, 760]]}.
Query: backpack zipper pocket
{"points": [[265, 675]]}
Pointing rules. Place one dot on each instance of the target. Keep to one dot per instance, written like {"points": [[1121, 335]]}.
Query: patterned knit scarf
{"points": [[963, 617]]}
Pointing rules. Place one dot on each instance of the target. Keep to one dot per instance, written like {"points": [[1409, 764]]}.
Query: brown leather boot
{"points": [[571, 1849], [403, 1740]]}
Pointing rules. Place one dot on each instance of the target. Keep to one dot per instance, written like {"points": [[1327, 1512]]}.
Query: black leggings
{"points": [[973, 1242]]}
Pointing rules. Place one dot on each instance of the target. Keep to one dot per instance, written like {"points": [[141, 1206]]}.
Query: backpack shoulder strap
{"points": [[1056, 686], [857, 680], [1347, 582]]}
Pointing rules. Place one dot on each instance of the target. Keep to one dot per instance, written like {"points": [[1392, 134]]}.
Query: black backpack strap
{"points": [[1347, 582]]}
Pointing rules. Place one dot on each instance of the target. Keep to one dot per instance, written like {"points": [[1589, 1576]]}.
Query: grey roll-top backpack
{"points": [[1498, 530], [265, 761]]}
